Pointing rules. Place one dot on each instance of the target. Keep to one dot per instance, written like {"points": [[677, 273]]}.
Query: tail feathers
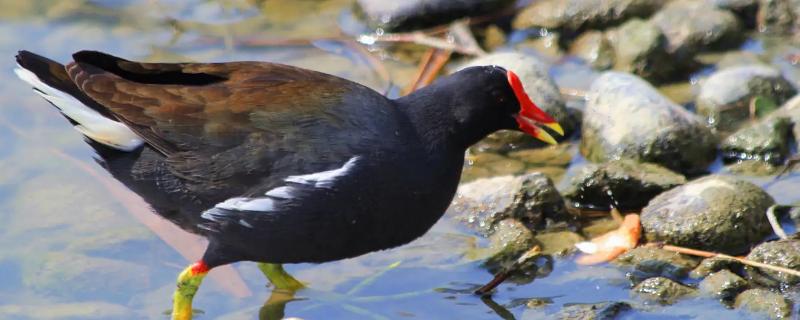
{"points": [[88, 121]]}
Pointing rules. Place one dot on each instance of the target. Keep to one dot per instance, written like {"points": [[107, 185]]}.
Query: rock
{"points": [[691, 26], [594, 48], [631, 184], [735, 5], [739, 58], [509, 240], [545, 45], [725, 96], [641, 48], [657, 262], [496, 164], [575, 15], [766, 140], [559, 243], [782, 253], [530, 198], [557, 156], [724, 285], [661, 290], [627, 118], [791, 110], [715, 213], [418, 14], [778, 16], [752, 168], [765, 302], [537, 82], [711, 265], [493, 37], [591, 311]]}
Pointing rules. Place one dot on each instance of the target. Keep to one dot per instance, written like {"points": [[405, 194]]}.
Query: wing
{"points": [[222, 122]]}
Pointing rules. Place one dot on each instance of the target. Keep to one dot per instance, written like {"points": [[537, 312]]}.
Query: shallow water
{"points": [[77, 245]]}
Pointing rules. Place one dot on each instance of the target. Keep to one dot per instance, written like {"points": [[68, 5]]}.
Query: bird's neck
{"points": [[438, 116]]}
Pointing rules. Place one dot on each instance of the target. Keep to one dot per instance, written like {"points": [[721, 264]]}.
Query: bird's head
{"points": [[498, 98], [476, 101], [527, 114]]}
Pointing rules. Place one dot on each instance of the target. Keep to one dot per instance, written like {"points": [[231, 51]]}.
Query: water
{"points": [[77, 245]]}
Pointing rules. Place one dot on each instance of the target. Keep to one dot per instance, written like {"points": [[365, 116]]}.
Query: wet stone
{"points": [[594, 48], [765, 302], [418, 14], [493, 37], [592, 311], [657, 262], [629, 183], [537, 83], [714, 213], [724, 285], [662, 290], [782, 253], [509, 240], [739, 58], [641, 48], [711, 265], [530, 198], [754, 168], [626, 118], [726, 95], [559, 243], [691, 26], [766, 140], [778, 16], [575, 15]]}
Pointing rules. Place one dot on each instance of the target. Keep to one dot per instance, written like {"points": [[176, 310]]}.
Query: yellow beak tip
{"points": [[555, 127], [546, 137]]}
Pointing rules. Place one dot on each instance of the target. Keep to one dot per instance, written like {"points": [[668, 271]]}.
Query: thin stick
{"points": [[432, 62], [774, 223], [377, 64], [616, 215], [463, 35], [419, 38], [707, 254], [501, 276], [573, 93]]}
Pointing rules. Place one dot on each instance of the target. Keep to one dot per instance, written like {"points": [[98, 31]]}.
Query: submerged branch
{"points": [[501, 276]]}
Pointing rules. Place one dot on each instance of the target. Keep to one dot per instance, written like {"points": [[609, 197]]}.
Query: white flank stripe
{"points": [[92, 124], [324, 179], [247, 204]]}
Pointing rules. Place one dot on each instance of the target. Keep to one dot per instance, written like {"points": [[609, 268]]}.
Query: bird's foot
{"points": [[188, 282], [281, 279]]}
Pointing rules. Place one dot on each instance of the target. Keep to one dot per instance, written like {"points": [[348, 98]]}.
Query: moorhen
{"points": [[277, 164]]}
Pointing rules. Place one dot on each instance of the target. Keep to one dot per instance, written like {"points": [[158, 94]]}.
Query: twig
{"points": [[501, 276], [419, 38], [751, 109], [463, 35], [707, 254], [432, 62], [616, 215], [773, 221], [573, 93], [375, 63]]}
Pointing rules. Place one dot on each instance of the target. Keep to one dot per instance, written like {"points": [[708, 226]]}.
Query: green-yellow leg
{"points": [[280, 278], [188, 282]]}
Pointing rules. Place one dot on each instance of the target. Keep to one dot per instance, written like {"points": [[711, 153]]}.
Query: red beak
{"points": [[530, 117]]}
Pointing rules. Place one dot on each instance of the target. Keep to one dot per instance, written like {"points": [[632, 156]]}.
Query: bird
{"points": [[277, 164]]}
